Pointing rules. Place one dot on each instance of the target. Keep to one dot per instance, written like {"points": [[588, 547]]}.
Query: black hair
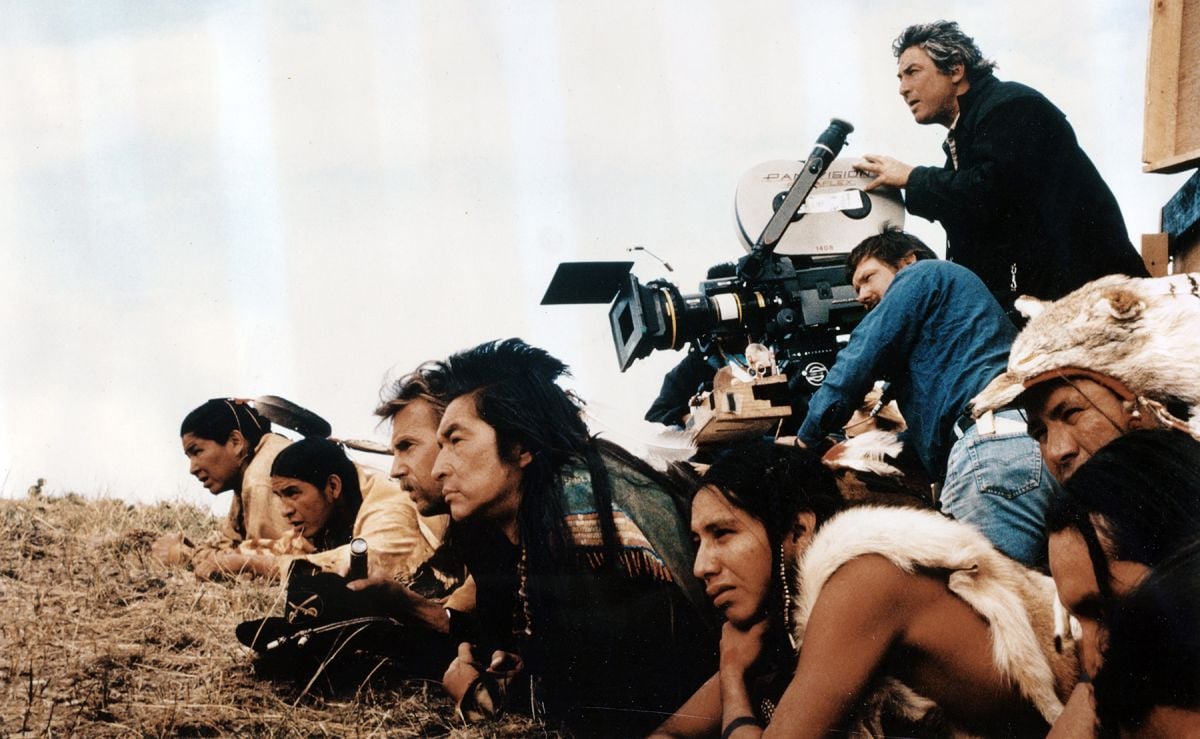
{"points": [[947, 46], [314, 460], [1141, 491], [514, 390], [773, 483], [890, 246], [1152, 651], [216, 419]]}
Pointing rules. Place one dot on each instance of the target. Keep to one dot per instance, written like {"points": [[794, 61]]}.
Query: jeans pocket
{"points": [[1007, 465]]}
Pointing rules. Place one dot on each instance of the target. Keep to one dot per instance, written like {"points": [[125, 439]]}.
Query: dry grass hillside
{"points": [[97, 639]]}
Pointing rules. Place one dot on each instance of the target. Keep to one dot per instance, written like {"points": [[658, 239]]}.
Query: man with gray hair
{"points": [[1023, 206]]}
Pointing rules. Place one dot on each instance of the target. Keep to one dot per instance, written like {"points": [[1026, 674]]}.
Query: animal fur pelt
{"points": [[873, 468], [1032, 643], [1140, 331], [873, 451]]}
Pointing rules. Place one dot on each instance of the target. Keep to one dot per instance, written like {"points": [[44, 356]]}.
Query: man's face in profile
{"points": [[217, 466], [414, 449], [1071, 419], [873, 276], [930, 94], [871, 280], [1075, 578], [476, 480]]}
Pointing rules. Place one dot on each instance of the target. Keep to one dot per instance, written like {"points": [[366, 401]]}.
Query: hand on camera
{"points": [[886, 170]]}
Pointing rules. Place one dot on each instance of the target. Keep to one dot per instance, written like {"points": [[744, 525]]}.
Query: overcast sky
{"points": [[204, 199]]}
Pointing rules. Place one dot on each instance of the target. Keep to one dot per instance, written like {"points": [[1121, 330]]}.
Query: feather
{"points": [[868, 452], [364, 445], [289, 415]]}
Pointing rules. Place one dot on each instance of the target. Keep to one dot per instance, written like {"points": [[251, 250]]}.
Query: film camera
{"points": [[788, 295]]}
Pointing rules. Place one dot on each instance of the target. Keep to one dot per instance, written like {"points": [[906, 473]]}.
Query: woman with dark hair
{"points": [[871, 621], [1149, 685]]}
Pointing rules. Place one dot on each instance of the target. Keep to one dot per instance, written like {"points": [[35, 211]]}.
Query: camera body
{"points": [[796, 299], [799, 313]]}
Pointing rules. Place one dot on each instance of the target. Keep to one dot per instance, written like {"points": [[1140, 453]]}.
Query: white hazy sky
{"points": [[202, 199]]}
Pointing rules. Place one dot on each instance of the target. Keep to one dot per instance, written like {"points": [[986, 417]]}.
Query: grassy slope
{"points": [[98, 639]]}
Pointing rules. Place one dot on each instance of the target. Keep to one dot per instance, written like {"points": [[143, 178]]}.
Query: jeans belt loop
{"points": [[963, 424], [986, 424], [990, 423]]}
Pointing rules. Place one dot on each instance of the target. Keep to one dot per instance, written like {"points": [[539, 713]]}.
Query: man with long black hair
{"points": [[1129, 508], [585, 607]]}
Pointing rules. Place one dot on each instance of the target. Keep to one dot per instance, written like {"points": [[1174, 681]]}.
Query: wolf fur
{"points": [[1140, 331], [1032, 643]]}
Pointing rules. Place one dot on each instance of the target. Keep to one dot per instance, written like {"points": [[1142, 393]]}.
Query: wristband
{"points": [[738, 723]]}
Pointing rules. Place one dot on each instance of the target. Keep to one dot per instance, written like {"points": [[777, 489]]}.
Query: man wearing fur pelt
{"points": [[871, 621], [1117, 354], [935, 332]]}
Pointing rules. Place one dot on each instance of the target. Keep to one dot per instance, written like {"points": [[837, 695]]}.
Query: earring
{"points": [[787, 597]]}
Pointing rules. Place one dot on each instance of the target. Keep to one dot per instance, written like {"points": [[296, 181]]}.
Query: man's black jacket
{"points": [[1024, 194]]}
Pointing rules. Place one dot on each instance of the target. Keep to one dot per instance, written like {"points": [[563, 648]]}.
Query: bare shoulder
{"points": [[873, 578], [873, 614], [874, 581], [869, 593]]}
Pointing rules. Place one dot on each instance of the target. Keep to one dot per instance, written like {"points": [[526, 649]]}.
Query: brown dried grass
{"points": [[98, 639]]}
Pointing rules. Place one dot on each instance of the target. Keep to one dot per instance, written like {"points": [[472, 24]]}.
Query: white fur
{"points": [[998, 588], [1030, 306], [869, 452], [1141, 331]]}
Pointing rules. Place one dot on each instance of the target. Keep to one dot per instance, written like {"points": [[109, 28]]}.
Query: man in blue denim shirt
{"points": [[936, 333]]}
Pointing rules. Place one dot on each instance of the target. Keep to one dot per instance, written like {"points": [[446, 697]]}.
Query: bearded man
{"points": [[936, 334]]}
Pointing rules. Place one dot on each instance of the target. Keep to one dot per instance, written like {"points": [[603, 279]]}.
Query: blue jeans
{"points": [[999, 484]]}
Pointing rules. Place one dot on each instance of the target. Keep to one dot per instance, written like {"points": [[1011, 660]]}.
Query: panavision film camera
{"points": [[789, 295]]}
